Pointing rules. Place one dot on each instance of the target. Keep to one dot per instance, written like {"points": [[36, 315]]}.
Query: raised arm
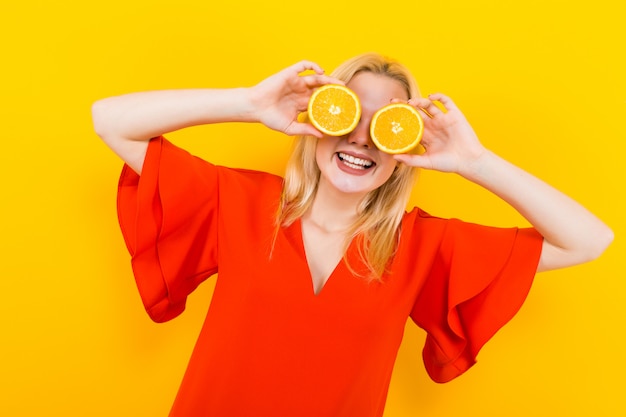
{"points": [[126, 123], [572, 235]]}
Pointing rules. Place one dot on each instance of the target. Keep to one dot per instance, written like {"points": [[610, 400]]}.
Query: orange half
{"points": [[397, 128], [334, 109]]}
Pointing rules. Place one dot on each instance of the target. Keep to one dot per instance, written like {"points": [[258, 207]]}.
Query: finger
{"points": [[317, 80], [425, 113], [304, 129], [305, 65], [425, 106], [417, 161], [447, 102]]}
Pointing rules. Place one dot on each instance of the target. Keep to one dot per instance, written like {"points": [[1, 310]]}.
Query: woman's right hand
{"points": [[280, 98], [126, 123]]}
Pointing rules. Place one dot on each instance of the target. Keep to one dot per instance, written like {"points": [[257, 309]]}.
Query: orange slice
{"points": [[397, 128], [334, 109]]}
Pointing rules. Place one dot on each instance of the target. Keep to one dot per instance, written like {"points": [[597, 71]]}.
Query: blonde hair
{"points": [[378, 228]]}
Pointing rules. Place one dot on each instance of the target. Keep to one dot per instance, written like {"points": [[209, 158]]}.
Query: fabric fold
{"points": [[168, 218], [478, 282]]}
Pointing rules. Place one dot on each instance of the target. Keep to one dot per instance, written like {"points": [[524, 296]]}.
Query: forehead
{"points": [[376, 90]]}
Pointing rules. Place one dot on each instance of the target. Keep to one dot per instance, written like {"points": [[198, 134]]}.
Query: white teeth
{"points": [[355, 162]]}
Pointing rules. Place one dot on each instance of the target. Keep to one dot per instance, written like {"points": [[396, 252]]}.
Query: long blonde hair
{"points": [[382, 209]]}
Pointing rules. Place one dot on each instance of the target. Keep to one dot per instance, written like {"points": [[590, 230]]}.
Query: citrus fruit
{"points": [[396, 128], [334, 109]]}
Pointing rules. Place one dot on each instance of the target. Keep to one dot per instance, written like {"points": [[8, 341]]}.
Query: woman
{"points": [[319, 272]]}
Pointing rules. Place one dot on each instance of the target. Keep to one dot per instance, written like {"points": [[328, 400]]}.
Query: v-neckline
{"points": [[298, 236]]}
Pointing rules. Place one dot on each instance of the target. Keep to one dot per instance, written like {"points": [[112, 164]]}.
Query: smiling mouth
{"points": [[353, 162]]}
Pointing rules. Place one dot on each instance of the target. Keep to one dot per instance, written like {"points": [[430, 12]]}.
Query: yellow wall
{"points": [[541, 81]]}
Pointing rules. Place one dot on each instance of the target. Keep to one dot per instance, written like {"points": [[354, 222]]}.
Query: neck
{"points": [[333, 210]]}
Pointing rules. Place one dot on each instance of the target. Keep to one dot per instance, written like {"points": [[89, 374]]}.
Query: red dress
{"points": [[271, 347]]}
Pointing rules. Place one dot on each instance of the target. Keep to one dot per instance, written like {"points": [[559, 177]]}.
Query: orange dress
{"points": [[271, 347]]}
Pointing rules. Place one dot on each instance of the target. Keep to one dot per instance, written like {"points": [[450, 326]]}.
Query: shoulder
{"points": [[421, 227], [167, 155], [247, 177], [246, 186], [420, 220], [421, 231]]}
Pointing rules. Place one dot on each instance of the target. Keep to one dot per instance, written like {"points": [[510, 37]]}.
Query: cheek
{"points": [[388, 165], [325, 149]]}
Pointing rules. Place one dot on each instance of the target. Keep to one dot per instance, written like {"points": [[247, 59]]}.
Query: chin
{"points": [[358, 186]]}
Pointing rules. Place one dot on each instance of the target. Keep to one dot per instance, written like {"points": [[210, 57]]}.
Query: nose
{"points": [[361, 135]]}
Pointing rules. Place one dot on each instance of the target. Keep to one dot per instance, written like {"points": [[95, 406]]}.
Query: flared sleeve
{"points": [[479, 279], [168, 218]]}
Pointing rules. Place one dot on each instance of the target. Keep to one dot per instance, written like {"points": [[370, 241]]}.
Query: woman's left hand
{"points": [[450, 143], [571, 233]]}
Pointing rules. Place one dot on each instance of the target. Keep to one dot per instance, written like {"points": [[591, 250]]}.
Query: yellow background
{"points": [[541, 81]]}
